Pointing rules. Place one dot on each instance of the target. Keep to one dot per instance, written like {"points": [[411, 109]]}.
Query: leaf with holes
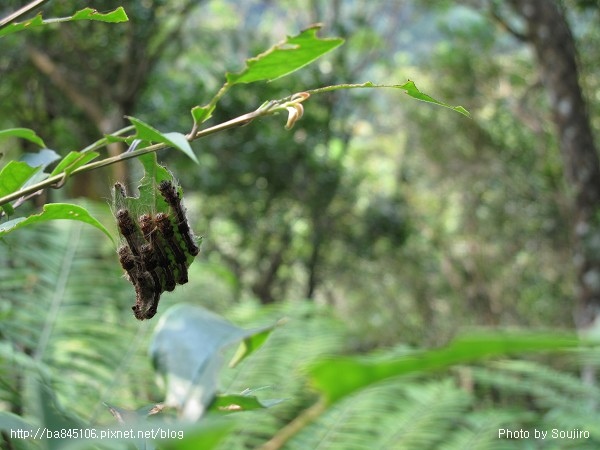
{"points": [[116, 16], [286, 57]]}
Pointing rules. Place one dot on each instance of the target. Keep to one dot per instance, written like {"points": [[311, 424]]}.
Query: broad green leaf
{"points": [[176, 140], [53, 211], [339, 377], [23, 133], [72, 161], [10, 421], [286, 57], [409, 88], [12, 177], [118, 15], [187, 352]]}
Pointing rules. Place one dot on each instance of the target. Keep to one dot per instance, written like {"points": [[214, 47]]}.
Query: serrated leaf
{"points": [[23, 133], [411, 89], [118, 15], [54, 211], [154, 173], [340, 377], [176, 140], [286, 57], [72, 161]]}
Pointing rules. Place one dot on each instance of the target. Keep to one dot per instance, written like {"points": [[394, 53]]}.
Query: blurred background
{"points": [[377, 223]]}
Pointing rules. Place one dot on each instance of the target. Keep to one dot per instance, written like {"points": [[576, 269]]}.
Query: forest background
{"points": [[377, 225]]}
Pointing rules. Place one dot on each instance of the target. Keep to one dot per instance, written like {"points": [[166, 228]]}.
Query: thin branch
{"points": [[266, 109], [21, 12], [292, 428], [504, 23]]}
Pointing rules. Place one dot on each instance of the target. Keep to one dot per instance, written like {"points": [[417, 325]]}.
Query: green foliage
{"points": [[282, 59], [360, 373], [118, 15], [408, 232], [53, 211]]}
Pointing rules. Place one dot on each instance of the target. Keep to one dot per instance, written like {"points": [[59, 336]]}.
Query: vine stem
{"points": [[59, 179], [292, 428]]}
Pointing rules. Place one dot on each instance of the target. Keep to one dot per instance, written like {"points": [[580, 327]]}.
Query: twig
{"points": [[21, 12], [292, 428], [264, 110]]}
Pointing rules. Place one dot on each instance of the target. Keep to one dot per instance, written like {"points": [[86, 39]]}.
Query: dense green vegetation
{"points": [[374, 266]]}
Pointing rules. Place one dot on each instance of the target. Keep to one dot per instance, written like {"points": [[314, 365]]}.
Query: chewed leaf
{"points": [[154, 173], [286, 57], [54, 211], [176, 140], [239, 402], [23, 133], [118, 15], [409, 88]]}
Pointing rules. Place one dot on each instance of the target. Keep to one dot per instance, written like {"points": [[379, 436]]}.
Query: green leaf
{"points": [[340, 377], [286, 57], [54, 211], [12, 177], [409, 87], [187, 351], [72, 161], [202, 113], [10, 421], [23, 133], [176, 140], [250, 344], [118, 15], [154, 173], [240, 402]]}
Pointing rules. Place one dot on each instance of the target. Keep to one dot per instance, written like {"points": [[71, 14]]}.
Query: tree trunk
{"points": [[549, 33]]}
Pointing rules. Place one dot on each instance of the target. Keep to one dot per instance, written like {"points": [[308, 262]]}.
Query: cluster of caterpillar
{"points": [[158, 251]]}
